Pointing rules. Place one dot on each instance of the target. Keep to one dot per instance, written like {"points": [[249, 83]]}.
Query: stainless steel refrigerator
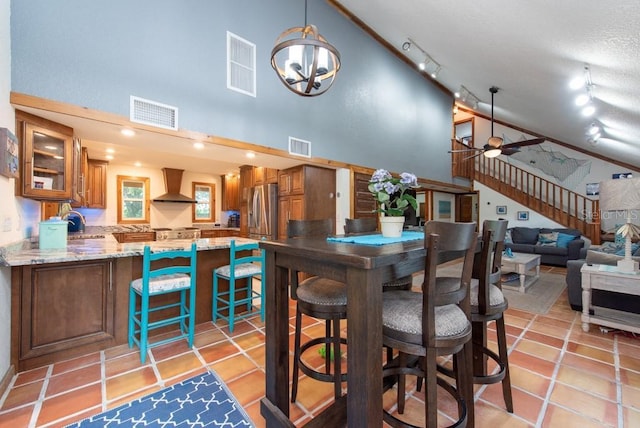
{"points": [[263, 212]]}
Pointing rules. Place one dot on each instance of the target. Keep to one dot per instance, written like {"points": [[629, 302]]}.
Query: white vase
{"points": [[391, 226]]}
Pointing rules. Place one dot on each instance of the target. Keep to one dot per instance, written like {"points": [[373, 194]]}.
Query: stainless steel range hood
{"points": [[172, 182]]}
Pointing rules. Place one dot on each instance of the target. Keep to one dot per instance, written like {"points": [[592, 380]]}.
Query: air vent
{"points": [[299, 147], [153, 113], [241, 65]]}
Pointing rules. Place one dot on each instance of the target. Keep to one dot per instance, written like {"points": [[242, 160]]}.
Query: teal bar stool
{"points": [[240, 267], [157, 279]]}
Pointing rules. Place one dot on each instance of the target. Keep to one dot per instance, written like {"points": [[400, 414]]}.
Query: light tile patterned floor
{"points": [[561, 376]]}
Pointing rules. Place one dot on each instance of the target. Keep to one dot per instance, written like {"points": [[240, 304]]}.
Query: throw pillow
{"points": [[619, 239], [548, 239], [507, 237], [634, 248], [564, 239]]}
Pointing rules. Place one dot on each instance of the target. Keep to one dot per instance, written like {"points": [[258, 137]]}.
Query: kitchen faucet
{"points": [[82, 219]]}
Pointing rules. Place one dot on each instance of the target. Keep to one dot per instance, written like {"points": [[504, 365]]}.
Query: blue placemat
{"points": [[377, 239]]}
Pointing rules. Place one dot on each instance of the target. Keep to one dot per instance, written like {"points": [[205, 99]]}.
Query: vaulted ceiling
{"points": [[531, 50]]}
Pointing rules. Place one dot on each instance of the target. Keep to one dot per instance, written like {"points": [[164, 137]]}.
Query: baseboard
{"points": [[6, 380]]}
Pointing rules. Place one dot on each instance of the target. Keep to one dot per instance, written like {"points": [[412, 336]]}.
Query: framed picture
{"points": [[501, 209], [621, 175], [593, 189], [523, 215], [444, 209]]}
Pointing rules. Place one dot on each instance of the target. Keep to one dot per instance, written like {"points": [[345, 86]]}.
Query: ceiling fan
{"points": [[495, 145]]}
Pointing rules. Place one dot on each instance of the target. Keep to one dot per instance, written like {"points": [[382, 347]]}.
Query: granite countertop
{"points": [[95, 246]]}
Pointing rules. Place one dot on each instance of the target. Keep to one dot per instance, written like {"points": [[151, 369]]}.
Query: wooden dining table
{"points": [[364, 268]]}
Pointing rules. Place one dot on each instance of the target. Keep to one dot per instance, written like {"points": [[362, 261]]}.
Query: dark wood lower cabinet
{"points": [[63, 309]]}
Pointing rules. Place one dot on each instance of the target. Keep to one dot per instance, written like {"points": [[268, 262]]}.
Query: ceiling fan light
{"points": [[492, 153], [494, 142]]}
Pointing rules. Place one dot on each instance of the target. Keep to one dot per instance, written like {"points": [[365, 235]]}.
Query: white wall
{"points": [[489, 199], [343, 198], [161, 214]]}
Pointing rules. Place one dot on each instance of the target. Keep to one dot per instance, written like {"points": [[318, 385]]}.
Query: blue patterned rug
{"points": [[202, 401]]}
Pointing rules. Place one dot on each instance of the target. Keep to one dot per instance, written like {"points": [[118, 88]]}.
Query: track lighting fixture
{"points": [[467, 97], [427, 62]]}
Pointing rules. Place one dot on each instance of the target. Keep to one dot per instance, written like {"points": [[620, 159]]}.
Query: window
{"points": [[204, 193], [133, 200]]}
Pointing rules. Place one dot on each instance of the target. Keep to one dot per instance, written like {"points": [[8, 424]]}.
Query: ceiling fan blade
{"points": [[470, 149], [524, 143], [473, 156], [508, 151]]}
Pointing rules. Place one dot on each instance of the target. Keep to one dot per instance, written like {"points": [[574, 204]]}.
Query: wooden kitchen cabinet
{"points": [[63, 310], [246, 181], [125, 237], [218, 233], [96, 184], [230, 193], [47, 159], [262, 175], [306, 192]]}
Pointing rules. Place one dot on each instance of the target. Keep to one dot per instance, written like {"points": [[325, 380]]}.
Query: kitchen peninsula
{"points": [[72, 301]]}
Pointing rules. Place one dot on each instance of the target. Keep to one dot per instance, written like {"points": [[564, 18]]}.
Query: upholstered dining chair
{"points": [[416, 324], [242, 268], [320, 298], [157, 279], [488, 303]]}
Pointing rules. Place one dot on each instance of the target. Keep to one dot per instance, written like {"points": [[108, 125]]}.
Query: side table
{"points": [[602, 277]]}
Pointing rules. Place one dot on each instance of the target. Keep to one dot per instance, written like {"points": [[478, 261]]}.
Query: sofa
{"points": [[555, 246], [605, 255]]}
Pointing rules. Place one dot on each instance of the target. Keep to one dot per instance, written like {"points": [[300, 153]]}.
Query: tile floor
{"points": [[561, 376]]}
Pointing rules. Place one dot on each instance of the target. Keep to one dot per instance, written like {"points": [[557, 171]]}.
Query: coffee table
{"points": [[522, 263]]}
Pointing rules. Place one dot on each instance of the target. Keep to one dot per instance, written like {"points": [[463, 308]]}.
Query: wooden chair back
{"points": [[443, 237], [487, 263], [309, 228], [360, 225]]}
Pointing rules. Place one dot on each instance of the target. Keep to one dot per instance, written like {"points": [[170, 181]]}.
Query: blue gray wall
{"points": [[380, 112]]}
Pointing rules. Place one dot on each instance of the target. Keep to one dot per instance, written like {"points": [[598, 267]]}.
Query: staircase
{"points": [[561, 205]]}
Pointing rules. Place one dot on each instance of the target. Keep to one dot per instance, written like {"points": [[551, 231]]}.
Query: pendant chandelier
{"points": [[305, 62]]}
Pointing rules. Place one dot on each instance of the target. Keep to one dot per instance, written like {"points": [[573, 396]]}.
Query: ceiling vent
{"points": [[241, 65], [153, 113], [299, 147]]}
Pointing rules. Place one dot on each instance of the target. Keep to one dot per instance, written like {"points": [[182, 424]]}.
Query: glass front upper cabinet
{"points": [[47, 173]]}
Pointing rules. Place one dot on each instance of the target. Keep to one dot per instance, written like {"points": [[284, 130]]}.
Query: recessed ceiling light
{"points": [[109, 157], [127, 132], [137, 164], [251, 155], [198, 145], [110, 150]]}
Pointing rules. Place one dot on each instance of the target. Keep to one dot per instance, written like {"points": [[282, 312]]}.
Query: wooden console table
{"points": [[603, 277]]}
